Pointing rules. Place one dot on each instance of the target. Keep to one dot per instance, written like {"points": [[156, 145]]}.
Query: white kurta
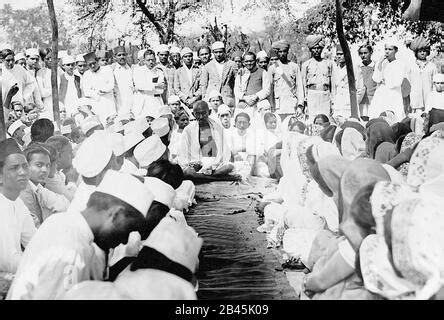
{"points": [[421, 80], [341, 106], [147, 100], [124, 90], [60, 255], [388, 95], [16, 230], [71, 99], [24, 81], [44, 82], [94, 82]]}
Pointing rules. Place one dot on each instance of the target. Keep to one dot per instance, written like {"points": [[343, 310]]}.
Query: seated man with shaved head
{"points": [[204, 151]]}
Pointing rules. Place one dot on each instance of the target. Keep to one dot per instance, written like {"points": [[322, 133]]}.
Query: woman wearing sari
{"points": [[380, 143], [333, 261], [404, 259], [269, 147]]}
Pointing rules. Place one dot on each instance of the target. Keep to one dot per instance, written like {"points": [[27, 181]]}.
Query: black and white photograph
{"points": [[221, 155]]}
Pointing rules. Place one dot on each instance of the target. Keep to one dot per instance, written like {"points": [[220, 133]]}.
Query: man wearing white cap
{"points": [[93, 158], [215, 100], [33, 65], [389, 74], [219, 74], [45, 86], [436, 97], [81, 65], [20, 59], [149, 83], [224, 115], [163, 270], [174, 103], [62, 252], [16, 131], [98, 84], [130, 164], [263, 60], [175, 55], [253, 84], [187, 80], [150, 150], [124, 88], [70, 90], [163, 53]]}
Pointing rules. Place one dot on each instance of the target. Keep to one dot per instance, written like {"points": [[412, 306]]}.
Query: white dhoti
{"points": [[147, 105], [387, 99]]}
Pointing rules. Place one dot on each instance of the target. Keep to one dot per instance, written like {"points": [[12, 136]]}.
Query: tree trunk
{"points": [[2, 114], [55, 51], [348, 61]]}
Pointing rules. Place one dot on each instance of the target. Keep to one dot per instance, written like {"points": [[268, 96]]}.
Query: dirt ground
{"points": [[235, 262]]}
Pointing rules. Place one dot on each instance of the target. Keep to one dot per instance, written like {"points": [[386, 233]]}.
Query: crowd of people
{"points": [[94, 208]]}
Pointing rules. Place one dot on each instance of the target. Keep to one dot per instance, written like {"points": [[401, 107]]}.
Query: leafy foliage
{"points": [[30, 28]]}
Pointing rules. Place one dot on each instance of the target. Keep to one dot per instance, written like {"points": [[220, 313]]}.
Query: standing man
{"points": [[317, 75], [263, 60], [149, 83], [421, 74], [205, 54], [32, 65], [252, 84], [124, 87], [44, 81], [341, 106], [219, 74], [163, 54], [70, 89], [13, 74], [81, 65], [98, 84], [367, 67], [175, 57], [287, 82], [187, 80]]}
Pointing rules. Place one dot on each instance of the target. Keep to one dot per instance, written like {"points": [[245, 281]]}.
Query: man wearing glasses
{"points": [[124, 87], [98, 84], [252, 84], [70, 90]]}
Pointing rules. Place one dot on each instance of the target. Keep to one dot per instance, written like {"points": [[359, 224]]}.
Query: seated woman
{"points": [[269, 147], [204, 151]]}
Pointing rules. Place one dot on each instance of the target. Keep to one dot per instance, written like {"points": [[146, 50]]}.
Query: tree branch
{"points": [[151, 17]]}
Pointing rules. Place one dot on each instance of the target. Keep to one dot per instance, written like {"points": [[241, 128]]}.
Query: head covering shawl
{"points": [[409, 141], [377, 133], [418, 244], [359, 173]]}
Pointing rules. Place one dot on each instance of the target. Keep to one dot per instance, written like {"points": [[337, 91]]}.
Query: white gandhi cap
{"points": [[163, 192], [15, 126], [131, 139], [128, 189], [93, 155], [160, 126], [218, 45], [178, 242], [149, 150]]}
